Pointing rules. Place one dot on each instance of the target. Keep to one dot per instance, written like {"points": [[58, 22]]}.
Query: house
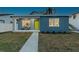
{"points": [[74, 21], [42, 23], [5, 23]]}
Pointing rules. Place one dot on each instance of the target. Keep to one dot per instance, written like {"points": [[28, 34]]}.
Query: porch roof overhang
{"points": [[37, 16], [40, 16]]}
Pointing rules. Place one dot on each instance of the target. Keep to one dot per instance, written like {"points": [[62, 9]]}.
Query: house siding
{"points": [[7, 25], [74, 22], [63, 24], [7, 19]]}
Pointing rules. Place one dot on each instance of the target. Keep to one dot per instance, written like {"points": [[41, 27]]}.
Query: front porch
{"points": [[26, 24]]}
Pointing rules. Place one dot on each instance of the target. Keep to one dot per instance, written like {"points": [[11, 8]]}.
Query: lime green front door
{"points": [[36, 24]]}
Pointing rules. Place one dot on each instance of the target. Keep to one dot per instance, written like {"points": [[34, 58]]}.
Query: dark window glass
{"points": [[2, 21], [74, 16]]}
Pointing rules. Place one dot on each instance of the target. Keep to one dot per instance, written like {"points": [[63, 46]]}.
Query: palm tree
{"points": [[50, 11]]}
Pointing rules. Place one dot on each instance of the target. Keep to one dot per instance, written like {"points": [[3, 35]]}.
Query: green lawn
{"points": [[12, 42], [59, 42]]}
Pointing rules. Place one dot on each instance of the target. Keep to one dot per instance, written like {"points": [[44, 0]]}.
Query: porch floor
{"points": [[26, 31]]}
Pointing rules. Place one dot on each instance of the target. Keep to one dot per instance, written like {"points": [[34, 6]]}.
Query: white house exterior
{"points": [[74, 20], [5, 23]]}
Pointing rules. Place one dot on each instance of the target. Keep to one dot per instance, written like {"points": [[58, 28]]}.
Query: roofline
{"points": [[5, 14], [75, 13], [40, 15]]}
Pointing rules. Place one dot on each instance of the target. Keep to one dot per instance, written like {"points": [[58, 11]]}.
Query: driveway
{"points": [[32, 44]]}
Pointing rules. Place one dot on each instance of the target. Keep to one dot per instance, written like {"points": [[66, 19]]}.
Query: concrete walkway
{"points": [[76, 31], [32, 44]]}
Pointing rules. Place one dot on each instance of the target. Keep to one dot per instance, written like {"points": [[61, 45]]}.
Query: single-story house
{"points": [[42, 23], [74, 20]]}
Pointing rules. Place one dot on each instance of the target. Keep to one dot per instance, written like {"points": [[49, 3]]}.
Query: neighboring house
{"points": [[43, 23], [5, 22], [74, 21]]}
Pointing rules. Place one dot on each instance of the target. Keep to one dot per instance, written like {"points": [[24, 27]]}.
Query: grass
{"points": [[59, 42], [12, 42]]}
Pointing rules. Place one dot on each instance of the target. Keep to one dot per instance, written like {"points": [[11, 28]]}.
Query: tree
{"points": [[50, 10]]}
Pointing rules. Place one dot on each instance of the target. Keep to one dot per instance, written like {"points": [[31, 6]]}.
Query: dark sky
{"points": [[27, 10]]}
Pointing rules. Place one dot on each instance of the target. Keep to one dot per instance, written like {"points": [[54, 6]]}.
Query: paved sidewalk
{"points": [[76, 31], [32, 44]]}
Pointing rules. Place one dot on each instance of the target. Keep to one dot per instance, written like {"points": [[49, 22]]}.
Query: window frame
{"points": [[54, 22]]}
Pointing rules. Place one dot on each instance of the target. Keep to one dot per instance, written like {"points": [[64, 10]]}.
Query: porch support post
{"points": [[15, 24]]}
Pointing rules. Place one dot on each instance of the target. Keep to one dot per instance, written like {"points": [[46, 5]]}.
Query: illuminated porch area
{"points": [[25, 24]]}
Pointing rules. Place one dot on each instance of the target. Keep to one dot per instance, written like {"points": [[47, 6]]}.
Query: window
{"points": [[2, 21], [74, 16], [53, 22], [11, 22], [26, 23]]}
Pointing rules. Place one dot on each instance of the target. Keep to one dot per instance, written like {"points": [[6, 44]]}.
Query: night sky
{"points": [[27, 10]]}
